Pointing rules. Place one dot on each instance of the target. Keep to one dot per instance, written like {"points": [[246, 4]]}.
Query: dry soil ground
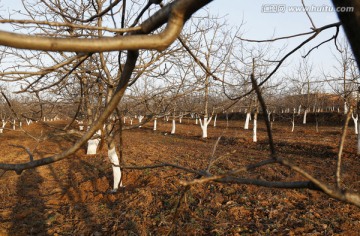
{"points": [[71, 197]]}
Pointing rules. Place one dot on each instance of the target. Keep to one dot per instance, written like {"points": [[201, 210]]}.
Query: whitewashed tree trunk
{"points": [[131, 121], [14, 125], [247, 120], [114, 159], [345, 108], [293, 121], [173, 127], [355, 119], [215, 120], [204, 126], [28, 121], [255, 128], [124, 119], [155, 124], [3, 126], [140, 118], [299, 110], [93, 144], [305, 114]]}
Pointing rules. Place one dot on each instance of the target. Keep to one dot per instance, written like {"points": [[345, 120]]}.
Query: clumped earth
{"points": [[71, 197]]}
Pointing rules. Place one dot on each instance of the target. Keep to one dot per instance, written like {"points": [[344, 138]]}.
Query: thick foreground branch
{"points": [[174, 14]]}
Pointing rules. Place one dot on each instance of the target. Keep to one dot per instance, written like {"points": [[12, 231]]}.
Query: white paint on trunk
{"points": [[299, 110], [355, 119], [93, 144], [204, 126], [255, 129], [155, 123], [140, 118], [173, 127], [81, 127], [345, 108], [215, 120], [247, 120], [14, 125], [114, 159], [3, 126], [305, 114], [293, 121]]}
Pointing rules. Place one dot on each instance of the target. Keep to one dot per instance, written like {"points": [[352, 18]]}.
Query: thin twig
{"points": [[308, 15], [341, 148]]}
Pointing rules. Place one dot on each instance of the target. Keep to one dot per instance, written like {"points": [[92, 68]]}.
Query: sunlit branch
{"points": [[174, 14], [71, 26]]}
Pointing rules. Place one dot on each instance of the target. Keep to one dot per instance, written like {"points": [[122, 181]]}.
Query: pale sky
{"points": [[261, 22]]}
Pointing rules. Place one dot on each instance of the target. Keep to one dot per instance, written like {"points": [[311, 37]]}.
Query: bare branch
{"points": [[341, 147], [26, 149]]}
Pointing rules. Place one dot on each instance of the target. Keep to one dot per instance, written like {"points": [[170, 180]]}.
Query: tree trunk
{"points": [[345, 108], [248, 117], [155, 124], [114, 159], [255, 128], [355, 119], [93, 144], [299, 110], [173, 128], [305, 114], [204, 126], [140, 118], [351, 22]]}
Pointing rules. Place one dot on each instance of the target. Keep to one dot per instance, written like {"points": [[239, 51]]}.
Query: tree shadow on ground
{"points": [[28, 216]]}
